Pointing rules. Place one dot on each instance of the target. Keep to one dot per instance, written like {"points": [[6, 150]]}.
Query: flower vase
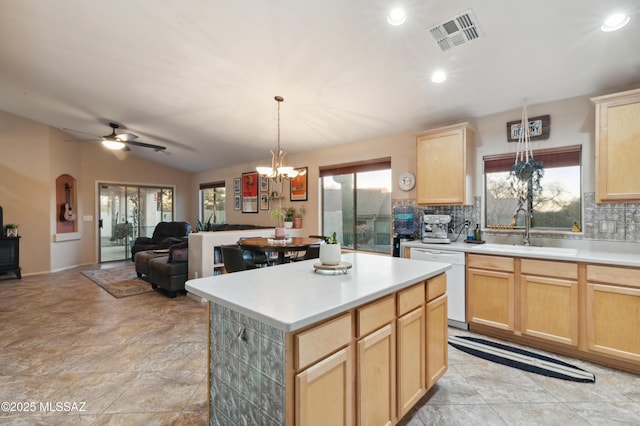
{"points": [[280, 235], [330, 254]]}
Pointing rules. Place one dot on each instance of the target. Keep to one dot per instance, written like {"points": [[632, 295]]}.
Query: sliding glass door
{"points": [[357, 206], [127, 212]]}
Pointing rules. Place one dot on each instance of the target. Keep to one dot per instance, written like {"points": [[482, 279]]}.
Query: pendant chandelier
{"points": [[278, 170]]}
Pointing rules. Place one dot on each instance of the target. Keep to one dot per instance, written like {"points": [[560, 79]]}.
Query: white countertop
{"points": [[600, 255], [293, 295]]}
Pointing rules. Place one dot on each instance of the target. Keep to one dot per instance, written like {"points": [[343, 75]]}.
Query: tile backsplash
{"points": [[601, 222], [611, 222]]}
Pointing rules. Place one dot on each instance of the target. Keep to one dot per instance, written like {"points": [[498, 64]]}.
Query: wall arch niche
{"points": [[66, 201]]}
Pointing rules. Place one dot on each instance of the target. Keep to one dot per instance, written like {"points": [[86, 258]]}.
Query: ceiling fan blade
{"points": [[147, 145], [126, 137]]}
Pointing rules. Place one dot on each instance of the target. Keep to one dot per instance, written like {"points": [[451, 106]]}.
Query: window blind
{"points": [[551, 157]]}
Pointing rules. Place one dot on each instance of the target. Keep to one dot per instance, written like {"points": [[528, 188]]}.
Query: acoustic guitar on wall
{"points": [[67, 213]]}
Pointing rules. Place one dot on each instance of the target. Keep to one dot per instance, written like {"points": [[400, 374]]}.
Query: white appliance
{"points": [[456, 285]]}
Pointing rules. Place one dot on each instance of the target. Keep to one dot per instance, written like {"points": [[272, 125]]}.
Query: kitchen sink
{"points": [[516, 249]]}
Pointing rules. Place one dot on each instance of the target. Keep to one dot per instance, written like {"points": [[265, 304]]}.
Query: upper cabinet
{"points": [[445, 166], [618, 147]]}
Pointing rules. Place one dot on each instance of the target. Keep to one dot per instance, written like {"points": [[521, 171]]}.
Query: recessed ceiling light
{"points": [[615, 22], [438, 76], [397, 16]]}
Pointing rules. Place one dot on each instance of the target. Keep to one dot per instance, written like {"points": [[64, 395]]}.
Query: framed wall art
{"points": [[250, 192], [298, 190], [236, 185], [236, 202], [264, 184], [539, 128], [264, 201]]}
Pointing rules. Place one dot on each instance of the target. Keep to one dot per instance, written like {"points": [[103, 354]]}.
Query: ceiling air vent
{"points": [[456, 31]]}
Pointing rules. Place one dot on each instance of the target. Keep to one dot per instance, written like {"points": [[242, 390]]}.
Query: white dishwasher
{"points": [[456, 287]]}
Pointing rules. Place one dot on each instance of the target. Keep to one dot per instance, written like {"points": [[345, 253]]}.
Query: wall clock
{"points": [[406, 181]]}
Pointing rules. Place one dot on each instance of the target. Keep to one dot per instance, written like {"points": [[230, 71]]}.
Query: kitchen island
{"points": [[284, 341]]}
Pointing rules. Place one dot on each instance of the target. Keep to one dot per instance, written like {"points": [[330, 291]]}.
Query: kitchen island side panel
{"points": [[247, 364]]}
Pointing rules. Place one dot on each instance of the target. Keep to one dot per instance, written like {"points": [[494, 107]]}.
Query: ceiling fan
{"points": [[121, 141]]}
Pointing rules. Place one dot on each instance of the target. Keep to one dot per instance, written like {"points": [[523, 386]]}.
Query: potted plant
{"points": [[11, 230], [525, 178], [330, 251], [297, 218], [281, 215], [204, 226]]}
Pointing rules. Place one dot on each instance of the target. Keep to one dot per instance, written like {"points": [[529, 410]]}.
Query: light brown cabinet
{"points": [[445, 166], [324, 388], [411, 360], [613, 311], [324, 392], [587, 311], [411, 373], [490, 291], [371, 365], [549, 300], [437, 352], [618, 147], [376, 354]]}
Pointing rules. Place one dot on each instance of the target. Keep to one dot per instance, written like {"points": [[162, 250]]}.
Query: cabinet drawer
{"points": [[549, 269], [497, 263], [410, 298], [313, 344], [436, 287], [614, 275], [376, 314]]}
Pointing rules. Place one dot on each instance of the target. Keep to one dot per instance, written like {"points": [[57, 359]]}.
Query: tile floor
{"points": [[141, 360]]}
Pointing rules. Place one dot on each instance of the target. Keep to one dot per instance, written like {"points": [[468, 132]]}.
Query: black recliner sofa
{"points": [[164, 235]]}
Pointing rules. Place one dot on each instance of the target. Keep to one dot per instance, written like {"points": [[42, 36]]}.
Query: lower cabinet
{"points": [[437, 336], [490, 291], [376, 379], [324, 392], [613, 311], [549, 300], [411, 360], [400, 345], [589, 311]]}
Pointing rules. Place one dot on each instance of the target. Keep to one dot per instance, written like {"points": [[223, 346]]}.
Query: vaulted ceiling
{"points": [[199, 76]]}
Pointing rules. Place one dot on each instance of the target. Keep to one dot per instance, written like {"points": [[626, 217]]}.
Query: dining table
{"points": [[280, 246]]}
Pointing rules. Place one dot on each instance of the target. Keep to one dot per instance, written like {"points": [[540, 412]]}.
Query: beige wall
{"points": [[33, 156], [572, 123], [25, 187], [400, 147]]}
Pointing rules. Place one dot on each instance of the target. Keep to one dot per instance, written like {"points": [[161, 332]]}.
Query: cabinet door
{"points": [[549, 309], [376, 378], [617, 148], [324, 392], [613, 321], [411, 359], [437, 335], [490, 299], [442, 167]]}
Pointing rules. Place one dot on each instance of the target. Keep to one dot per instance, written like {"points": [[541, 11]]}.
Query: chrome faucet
{"points": [[526, 238]]}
